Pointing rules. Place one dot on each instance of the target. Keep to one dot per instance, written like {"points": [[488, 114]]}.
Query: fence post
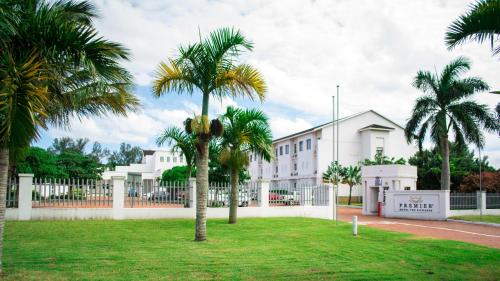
{"points": [[481, 204], [118, 196], [263, 193], [192, 194], [25, 196], [331, 201]]}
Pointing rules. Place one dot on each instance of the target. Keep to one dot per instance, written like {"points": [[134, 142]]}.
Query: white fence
{"points": [[36, 199]]}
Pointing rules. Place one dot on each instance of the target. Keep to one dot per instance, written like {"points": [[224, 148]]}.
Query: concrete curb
{"points": [[347, 206], [475, 222]]}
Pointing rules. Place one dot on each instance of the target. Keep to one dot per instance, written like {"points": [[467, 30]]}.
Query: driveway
{"points": [[472, 233]]}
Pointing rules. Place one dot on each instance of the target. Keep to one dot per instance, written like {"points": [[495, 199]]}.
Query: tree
{"points": [[245, 130], [67, 144], [462, 164], [481, 23], [41, 163], [208, 67], [98, 152], [53, 65], [333, 173], [490, 182], [446, 109], [182, 141], [126, 155], [351, 177], [176, 174]]}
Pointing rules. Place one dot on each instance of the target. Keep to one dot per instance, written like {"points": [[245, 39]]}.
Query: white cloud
{"points": [[284, 126]]}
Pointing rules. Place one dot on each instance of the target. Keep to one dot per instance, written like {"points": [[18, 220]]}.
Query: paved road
{"points": [[477, 234]]}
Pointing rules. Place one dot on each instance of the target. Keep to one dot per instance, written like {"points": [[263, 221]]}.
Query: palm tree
{"points": [[53, 65], [245, 130], [480, 23], [181, 141], [333, 173], [351, 177], [209, 67], [446, 110]]}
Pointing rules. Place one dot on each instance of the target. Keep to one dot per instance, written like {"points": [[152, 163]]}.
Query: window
{"points": [[162, 159], [308, 144], [276, 150], [295, 148], [181, 158], [281, 150], [168, 159], [287, 149], [175, 159], [295, 166], [301, 145], [250, 157], [276, 169], [407, 188], [380, 151]]}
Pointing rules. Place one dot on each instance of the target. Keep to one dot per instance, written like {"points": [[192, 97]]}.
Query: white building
{"points": [[154, 162], [301, 158]]}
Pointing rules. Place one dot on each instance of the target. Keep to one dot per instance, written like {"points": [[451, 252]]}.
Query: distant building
{"points": [[154, 162], [301, 158]]}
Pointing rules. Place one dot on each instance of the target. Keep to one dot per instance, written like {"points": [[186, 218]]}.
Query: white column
{"points": [[331, 201], [25, 196], [446, 203], [482, 201], [118, 196], [263, 193], [192, 195]]}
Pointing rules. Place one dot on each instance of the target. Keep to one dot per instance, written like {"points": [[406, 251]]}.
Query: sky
{"points": [[371, 49]]}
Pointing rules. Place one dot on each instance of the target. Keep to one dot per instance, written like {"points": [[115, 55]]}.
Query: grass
{"points": [[352, 204], [488, 218], [254, 249]]}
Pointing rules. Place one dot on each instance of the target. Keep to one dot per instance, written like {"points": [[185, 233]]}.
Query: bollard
{"points": [[354, 225]]}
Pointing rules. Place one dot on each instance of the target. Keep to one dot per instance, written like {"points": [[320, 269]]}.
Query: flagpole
{"points": [[333, 158], [338, 153]]}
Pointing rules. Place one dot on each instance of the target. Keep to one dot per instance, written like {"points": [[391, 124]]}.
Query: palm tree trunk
{"points": [[445, 165], [233, 207], [350, 192], [201, 190], [4, 170]]}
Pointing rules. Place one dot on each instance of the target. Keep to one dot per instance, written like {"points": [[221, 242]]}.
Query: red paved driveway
{"points": [[472, 233]]}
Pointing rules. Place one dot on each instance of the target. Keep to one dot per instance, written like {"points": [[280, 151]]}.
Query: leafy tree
{"points": [[98, 152], [208, 67], [245, 130], [481, 23], [351, 176], [334, 173], [462, 164], [176, 174], [126, 155], [53, 65], [216, 171], [490, 182], [41, 163], [446, 110], [67, 144], [182, 141], [79, 166]]}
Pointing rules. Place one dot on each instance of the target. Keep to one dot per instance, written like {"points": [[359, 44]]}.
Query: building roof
{"points": [[339, 120], [148, 152], [376, 127]]}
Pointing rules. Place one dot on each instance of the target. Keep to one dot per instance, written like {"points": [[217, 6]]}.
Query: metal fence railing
{"points": [[492, 200], [285, 194], [219, 194], [156, 194], [72, 193], [463, 201], [12, 193]]}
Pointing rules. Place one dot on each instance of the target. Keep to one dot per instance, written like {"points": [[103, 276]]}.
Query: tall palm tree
{"points": [[53, 65], [481, 23], [180, 141], [446, 110], [333, 173], [245, 130], [351, 176], [209, 67]]}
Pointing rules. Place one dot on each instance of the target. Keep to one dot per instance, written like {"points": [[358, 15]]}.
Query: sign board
{"points": [[416, 203]]}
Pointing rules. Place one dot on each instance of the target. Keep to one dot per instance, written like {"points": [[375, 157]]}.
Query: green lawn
{"points": [[254, 249], [493, 219]]}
